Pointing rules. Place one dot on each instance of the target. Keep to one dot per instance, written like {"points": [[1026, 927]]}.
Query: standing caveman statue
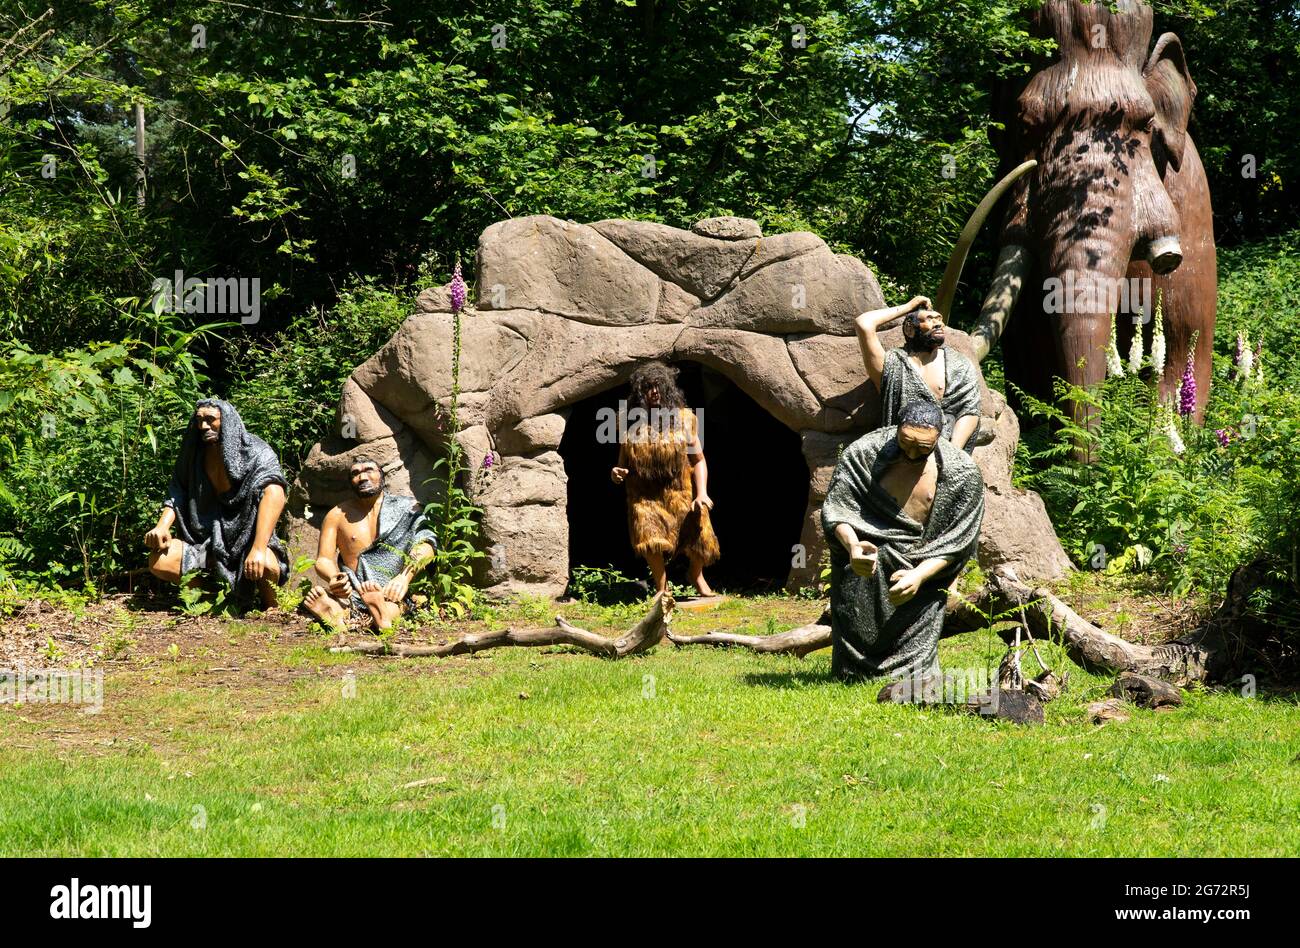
{"points": [[661, 463], [371, 547], [902, 517], [226, 496], [922, 368]]}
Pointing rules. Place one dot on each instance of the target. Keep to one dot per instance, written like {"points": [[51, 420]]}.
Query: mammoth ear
{"points": [[1171, 86]]}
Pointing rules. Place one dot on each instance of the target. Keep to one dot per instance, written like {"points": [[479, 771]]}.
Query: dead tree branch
{"points": [[645, 634]]}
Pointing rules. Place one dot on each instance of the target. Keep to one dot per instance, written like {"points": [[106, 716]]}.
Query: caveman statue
{"points": [[371, 547], [922, 368], [226, 496], [661, 462], [901, 518]]}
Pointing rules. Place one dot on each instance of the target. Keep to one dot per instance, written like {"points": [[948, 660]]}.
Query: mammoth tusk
{"points": [[948, 288], [1010, 275]]}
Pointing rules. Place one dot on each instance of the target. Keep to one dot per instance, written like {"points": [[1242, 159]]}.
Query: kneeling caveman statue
{"points": [[371, 547], [226, 496], [901, 518]]}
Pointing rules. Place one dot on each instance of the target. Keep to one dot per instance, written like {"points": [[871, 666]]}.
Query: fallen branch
{"points": [[798, 642], [645, 634], [962, 617], [1180, 662]]}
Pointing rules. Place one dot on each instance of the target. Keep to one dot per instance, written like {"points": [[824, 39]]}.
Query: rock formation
{"points": [[567, 310]]}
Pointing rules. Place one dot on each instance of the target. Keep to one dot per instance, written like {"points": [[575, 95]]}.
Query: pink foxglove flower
{"points": [[458, 290], [1223, 435], [1187, 387]]}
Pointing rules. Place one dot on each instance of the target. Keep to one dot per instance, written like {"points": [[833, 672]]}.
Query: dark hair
{"points": [[657, 374], [911, 321], [366, 459], [919, 413]]}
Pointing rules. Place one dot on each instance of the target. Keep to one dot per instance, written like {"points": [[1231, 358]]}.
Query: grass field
{"points": [[249, 738]]}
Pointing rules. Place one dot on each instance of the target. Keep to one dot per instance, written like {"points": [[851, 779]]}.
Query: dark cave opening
{"points": [[758, 480]]}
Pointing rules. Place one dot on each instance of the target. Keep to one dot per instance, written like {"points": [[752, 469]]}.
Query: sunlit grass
{"points": [[692, 751]]}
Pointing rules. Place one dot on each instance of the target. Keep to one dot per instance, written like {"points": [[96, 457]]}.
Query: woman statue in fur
{"points": [[661, 463]]}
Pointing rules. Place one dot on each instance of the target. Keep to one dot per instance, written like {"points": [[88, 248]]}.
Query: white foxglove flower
{"points": [[1171, 431], [1135, 351], [1158, 339], [1247, 367], [1114, 364]]}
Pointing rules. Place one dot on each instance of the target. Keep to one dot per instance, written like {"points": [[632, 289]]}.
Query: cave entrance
{"points": [[758, 480]]}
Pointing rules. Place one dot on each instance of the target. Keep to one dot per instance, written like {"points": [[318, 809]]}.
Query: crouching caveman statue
{"points": [[923, 367], [901, 518], [226, 496], [371, 547]]}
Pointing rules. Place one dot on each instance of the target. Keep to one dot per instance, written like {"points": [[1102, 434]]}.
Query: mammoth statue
{"points": [[1109, 188]]}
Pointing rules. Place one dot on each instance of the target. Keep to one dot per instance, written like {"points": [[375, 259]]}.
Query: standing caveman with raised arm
{"points": [[923, 367], [226, 496], [902, 517], [371, 547]]}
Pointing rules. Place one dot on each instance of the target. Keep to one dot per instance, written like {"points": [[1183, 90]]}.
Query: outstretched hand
{"points": [[618, 475], [905, 584]]}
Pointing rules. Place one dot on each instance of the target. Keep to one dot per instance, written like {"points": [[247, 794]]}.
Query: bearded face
{"points": [[366, 478], [209, 421], [925, 333]]}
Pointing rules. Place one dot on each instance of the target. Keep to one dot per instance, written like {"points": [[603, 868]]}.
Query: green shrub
{"points": [[287, 385], [87, 444], [1231, 495]]}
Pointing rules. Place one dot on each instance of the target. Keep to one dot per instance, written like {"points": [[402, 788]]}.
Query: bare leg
{"points": [[166, 564], [695, 573], [326, 608], [266, 585], [382, 612], [658, 570]]}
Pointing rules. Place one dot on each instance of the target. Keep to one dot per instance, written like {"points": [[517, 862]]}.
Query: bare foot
{"points": [[382, 612], [696, 576], [326, 608]]}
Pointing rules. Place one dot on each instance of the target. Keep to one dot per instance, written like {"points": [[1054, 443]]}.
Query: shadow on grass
{"points": [[801, 679]]}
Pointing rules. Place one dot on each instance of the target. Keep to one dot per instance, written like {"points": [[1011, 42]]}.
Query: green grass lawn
{"points": [[678, 752]]}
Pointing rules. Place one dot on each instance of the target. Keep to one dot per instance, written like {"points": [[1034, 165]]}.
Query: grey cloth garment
{"points": [[901, 382], [220, 529], [871, 637], [402, 527], [194, 557]]}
